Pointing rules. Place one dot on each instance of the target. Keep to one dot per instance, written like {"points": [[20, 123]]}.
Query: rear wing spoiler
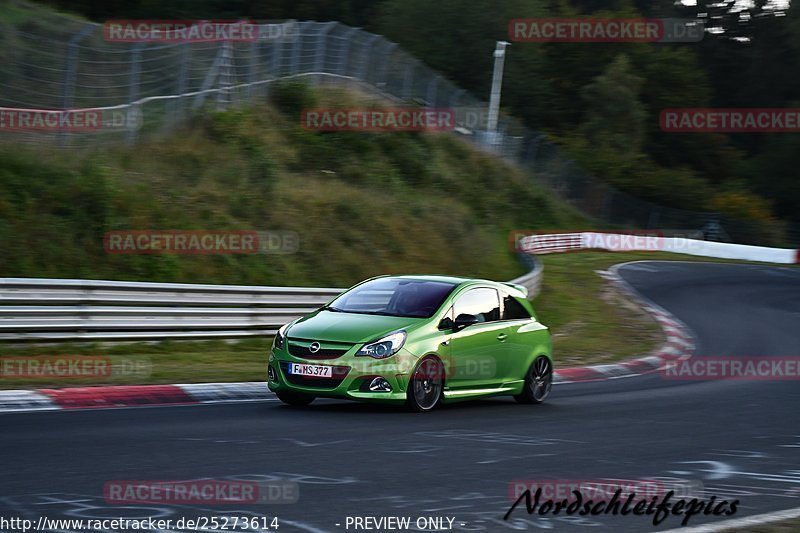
{"points": [[522, 288]]}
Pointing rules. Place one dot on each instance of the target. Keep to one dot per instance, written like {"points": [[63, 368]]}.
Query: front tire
{"points": [[293, 399], [538, 381], [425, 386]]}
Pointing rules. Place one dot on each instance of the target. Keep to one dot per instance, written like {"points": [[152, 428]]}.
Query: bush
{"points": [[292, 97]]}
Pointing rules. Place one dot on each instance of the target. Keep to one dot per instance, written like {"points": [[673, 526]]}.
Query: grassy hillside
{"points": [[362, 204]]}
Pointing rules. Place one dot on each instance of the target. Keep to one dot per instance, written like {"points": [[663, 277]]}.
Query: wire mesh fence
{"points": [[54, 62]]}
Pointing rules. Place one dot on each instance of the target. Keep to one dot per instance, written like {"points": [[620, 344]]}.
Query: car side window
{"points": [[513, 310], [484, 303]]}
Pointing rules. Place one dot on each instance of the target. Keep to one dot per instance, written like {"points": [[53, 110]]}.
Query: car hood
{"points": [[347, 327]]}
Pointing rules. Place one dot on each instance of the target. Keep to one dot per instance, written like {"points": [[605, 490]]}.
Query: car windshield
{"points": [[394, 297]]}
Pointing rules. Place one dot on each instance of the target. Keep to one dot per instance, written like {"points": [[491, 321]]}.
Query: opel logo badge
{"points": [[314, 348]]}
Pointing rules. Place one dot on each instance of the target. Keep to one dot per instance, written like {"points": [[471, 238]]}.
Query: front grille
{"points": [[339, 373], [328, 350]]}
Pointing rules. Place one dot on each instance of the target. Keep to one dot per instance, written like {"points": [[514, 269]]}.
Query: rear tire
{"points": [[426, 385], [538, 382], [293, 399]]}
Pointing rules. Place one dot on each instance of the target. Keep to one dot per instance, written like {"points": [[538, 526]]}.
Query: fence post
{"points": [[133, 91], [72, 70], [298, 44], [72, 64], [183, 69], [322, 43], [224, 76], [251, 70], [384, 66], [430, 95], [210, 76], [276, 54], [408, 80], [348, 39], [367, 57]]}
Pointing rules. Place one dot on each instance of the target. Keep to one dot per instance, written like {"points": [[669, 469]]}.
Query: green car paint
{"points": [[497, 348]]}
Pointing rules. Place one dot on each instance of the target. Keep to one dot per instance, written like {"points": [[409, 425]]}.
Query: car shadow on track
{"points": [[492, 405]]}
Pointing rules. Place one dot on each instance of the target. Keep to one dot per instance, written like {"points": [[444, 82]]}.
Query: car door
{"points": [[476, 351], [521, 341]]}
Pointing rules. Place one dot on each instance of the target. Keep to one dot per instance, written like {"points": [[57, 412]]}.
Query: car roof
{"points": [[457, 280]]}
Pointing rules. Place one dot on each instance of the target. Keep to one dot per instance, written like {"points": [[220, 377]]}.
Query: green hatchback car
{"points": [[418, 340]]}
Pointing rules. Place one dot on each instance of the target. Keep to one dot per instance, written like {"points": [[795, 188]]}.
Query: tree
{"points": [[615, 117]]}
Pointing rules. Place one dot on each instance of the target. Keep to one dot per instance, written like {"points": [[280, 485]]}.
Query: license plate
{"points": [[314, 371]]}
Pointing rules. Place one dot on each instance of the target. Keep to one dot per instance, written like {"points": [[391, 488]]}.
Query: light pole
{"points": [[497, 83]]}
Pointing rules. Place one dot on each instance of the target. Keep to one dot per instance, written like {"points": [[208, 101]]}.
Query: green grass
{"points": [[143, 363], [589, 320]]}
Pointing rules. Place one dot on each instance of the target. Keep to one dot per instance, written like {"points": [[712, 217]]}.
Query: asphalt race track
{"points": [[741, 439]]}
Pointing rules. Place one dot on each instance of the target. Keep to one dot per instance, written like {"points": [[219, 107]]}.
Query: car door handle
{"points": [[502, 337], [445, 343]]}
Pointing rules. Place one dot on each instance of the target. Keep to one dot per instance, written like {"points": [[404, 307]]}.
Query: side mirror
{"points": [[463, 320], [446, 324]]}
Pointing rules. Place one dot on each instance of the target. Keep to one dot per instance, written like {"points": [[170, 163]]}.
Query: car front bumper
{"points": [[351, 376]]}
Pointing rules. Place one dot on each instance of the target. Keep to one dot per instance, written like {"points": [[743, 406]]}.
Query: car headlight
{"points": [[384, 347], [280, 338]]}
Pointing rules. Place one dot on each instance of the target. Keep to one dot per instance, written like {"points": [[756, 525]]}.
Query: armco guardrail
{"points": [[88, 310], [533, 279], [61, 310], [651, 242]]}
